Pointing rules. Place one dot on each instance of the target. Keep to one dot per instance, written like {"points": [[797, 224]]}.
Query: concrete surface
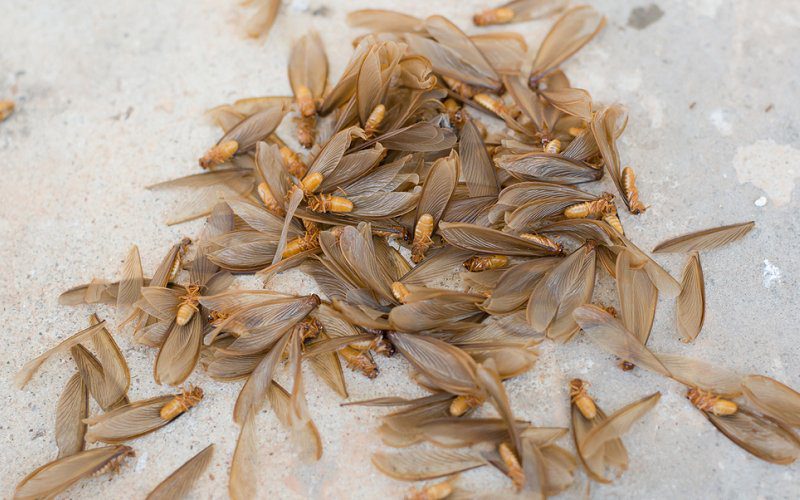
{"points": [[110, 98]]}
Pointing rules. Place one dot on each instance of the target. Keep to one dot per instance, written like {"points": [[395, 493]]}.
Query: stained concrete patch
{"points": [[642, 17]]}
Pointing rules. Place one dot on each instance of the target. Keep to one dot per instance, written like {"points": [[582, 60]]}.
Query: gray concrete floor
{"points": [[111, 98]]}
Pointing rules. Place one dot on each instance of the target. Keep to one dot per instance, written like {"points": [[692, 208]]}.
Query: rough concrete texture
{"points": [[111, 97]]}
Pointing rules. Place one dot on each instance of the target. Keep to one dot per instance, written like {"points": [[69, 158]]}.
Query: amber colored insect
{"points": [[494, 105], [305, 101], [181, 403], [553, 147], [478, 263], [311, 182], [501, 15], [581, 399], [422, 237], [359, 361], [383, 346], [575, 131], [631, 191], [509, 458], [309, 328], [374, 120], [611, 218], [438, 491], [270, 203], [543, 241], [460, 88], [294, 163], [115, 463], [711, 403], [177, 264], [6, 108], [328, 203], [219, 154], [627, 366], [217, 317], [462, 404], [306, 130], [188, 305], [300, 244], [589, 209], [400, 291]]}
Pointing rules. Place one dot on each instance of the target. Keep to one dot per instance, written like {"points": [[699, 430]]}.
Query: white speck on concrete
{"points": [[771, 274], [720, 121], [769, 166], [655, 109], [761, 201]]}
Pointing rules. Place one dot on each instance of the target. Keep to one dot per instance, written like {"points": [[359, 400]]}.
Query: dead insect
{"points": [[553, 147], [270, 203], [544, 242], [464, 90], [710, 403], [518, 10], [438, 491], [499, 15], [590, 209], [179, 483], [306, 130], [462, 404], [219, 154], [181, 403], [400, 291], [611, 218], [324, 203], [514, 468], [293, 162], [495, 105], [422, 237], [360, 361], [581, 399], [6, 108], [311, 183], [308, 75], [478, 263], [374, 120], [631, 191], [308, 241], [51, 479]]}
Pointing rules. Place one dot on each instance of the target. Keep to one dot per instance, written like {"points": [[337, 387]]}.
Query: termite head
{"points": [[218, 154], [710, 403], [501, 15]]}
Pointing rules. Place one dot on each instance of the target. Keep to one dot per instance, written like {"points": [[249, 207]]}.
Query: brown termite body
{"points": [[500, 15], [711, 403], [543, 241], [422, 237], [581, 399], [269, 201], [374, 120], [590, 209], [188, 305], [631, 191], [462, 404], [219, 154], [479, 263], [181, 403], [515, 471], [324, 203]]}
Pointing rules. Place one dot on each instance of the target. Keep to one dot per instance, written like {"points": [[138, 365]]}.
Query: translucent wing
{"points": [[384, 20], [180, 352], [72, 408], [548, 167], [486, 240], [477, 168], [308, 65], [637, 297], [706, 239], [130, 283], [773, 398], [254, 392], [439, 186], [55, 477], [179, 483], [447, 366], [416, 465], [244, 465], [690, 306], [617, 424], [128, 421], [757, 435]]}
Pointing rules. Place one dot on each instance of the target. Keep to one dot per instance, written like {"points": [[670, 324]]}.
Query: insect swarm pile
{"points": [[435, 152]]}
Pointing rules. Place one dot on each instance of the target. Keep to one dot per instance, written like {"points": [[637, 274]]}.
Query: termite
{"points": [[309, 328], [177, 264], [422, 237], [306, 130], [711, 403], [553, 147], [589, 209], [294, 163], [114, 464], [270, 203], [515, 471], [501, 15], [359, 361], [311, 182], [181, 403], [438, 491], [328, 203], [300, 244], [400, 291], [305, 101], [461, 404], [581, 399], [6, 108], [460, 88], [543, 241], [188, 305], [494, 105], [611, 218], [631, 191], [374, 120], [478, 263], [218, 154]]}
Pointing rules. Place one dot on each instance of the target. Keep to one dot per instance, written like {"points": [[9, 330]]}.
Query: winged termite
{"points": [[548, 167], [631, 192], [597, 436], [574, 29], [690, 305], [106, 376], [706, 239], [180, 482], [437, 491], [478, 263], [491, 241], [72, 409], [243, 137], [590, 209], [136, 419], [51, 479], [637, 296], [308, 75], [518, 11]]}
